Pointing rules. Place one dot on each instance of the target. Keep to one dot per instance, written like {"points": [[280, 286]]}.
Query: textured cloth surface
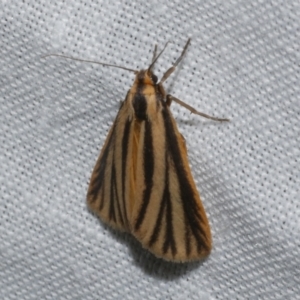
{"points": [[243, 64]]}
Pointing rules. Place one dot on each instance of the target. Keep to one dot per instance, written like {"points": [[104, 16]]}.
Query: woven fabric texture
{"points": [[242, 64]]}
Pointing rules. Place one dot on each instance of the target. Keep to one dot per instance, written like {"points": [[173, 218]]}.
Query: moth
{"points": [[142, 181]]}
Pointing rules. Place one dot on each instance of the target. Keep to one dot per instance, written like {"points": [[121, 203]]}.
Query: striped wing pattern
{"points": [[142, 184], [168, 217], [109, 192], [142, 181]]}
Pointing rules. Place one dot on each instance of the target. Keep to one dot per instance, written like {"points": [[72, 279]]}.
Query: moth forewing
{"points": [[109, 190], [196, 223], [95, 195], [174, 224]]}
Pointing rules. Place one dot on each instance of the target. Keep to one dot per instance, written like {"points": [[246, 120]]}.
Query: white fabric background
{"points": [[243, 64]]}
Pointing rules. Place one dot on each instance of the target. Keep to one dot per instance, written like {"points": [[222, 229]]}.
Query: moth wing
{"points": [[109, 193], [168, 217]]}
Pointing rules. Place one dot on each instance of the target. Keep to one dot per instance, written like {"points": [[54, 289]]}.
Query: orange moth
{"points": [[142, 181]]}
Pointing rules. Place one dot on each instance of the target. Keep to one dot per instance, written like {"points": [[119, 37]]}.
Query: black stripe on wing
{"points": [[125, 142], [148, 159]]}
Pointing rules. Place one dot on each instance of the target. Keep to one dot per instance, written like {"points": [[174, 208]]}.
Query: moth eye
{"points": [[154, 78]]}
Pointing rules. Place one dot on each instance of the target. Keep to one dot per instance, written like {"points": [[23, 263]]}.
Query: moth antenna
{"points": [[156, 58], [91, 61]]}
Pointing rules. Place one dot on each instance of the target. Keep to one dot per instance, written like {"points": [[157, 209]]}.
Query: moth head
{"points": [[146, 77]]}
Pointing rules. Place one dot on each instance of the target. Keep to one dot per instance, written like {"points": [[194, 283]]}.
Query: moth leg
{"points": [[172, 69], [171, 98]]}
